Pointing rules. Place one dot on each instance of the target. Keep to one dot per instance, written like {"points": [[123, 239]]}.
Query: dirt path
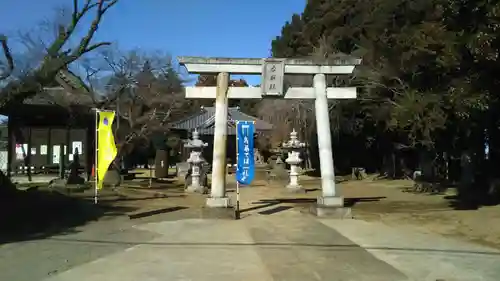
{"points": [[429, 212]]}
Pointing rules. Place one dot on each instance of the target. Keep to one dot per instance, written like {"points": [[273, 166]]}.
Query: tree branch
{"points": [[8, 57], [97, 45], [65, 33], [55, 59], [84, 43]]}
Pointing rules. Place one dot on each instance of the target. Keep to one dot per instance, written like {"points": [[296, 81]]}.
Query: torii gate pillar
{"points": [[273, 85]]}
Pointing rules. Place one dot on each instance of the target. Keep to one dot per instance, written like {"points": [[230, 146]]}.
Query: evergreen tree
{"points": [[427, 82]]}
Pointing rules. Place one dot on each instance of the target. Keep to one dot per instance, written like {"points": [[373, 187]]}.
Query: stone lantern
{"points": [[195, 162], [294, 147]]}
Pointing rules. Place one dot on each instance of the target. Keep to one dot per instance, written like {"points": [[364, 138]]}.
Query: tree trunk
{"points": [[308, 158], [161, 163], [19, 139], [424, 163]]}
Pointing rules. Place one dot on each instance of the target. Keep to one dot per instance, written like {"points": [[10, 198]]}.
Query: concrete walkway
{"points": [[288, 246], [422, 255]]}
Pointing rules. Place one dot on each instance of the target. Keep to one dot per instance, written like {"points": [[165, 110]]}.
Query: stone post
{"points": [[329, 196], [218, 197]]}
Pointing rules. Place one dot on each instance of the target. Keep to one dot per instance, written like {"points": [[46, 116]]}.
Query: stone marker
{"points": [[74, 170], [161, 163]]}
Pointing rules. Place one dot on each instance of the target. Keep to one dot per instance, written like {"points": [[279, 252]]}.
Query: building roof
{"points": [[204, 121], [71, 92], [61, 97], [54, 103]]}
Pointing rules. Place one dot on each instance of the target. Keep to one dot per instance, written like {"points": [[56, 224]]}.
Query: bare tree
{"points": [[54, 56], [146, 92], [57, 55]]}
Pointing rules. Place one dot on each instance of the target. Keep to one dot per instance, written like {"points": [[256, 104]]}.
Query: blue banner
{"points": [[245, 170]]}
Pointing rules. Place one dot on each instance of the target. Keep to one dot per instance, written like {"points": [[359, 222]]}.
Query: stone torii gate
{"points": [[272, 72]]}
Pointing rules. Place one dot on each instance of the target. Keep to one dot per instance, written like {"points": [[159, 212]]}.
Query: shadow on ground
{"points": [[159, 184], [466, 198], [28, 215], [474, 198], [470, 202], [122, 198], [265, 203]]}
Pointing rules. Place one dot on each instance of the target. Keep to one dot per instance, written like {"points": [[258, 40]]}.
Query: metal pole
{"points": [[237, 200], [96, 153], [237, 214], [122, 164], [150, 174]]}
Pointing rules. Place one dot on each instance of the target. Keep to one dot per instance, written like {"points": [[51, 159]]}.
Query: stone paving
{"points": [[422, 255], [289, 246]]}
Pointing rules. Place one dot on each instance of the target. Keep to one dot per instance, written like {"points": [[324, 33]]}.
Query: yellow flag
{"points": [[106, 147]]}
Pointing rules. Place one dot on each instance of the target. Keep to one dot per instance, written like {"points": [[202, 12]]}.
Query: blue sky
{"points": [[180, 27]]}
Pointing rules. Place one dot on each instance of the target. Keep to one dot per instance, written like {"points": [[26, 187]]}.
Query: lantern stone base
{"points": [[197, 189], [295, 189], [332, 207]]}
